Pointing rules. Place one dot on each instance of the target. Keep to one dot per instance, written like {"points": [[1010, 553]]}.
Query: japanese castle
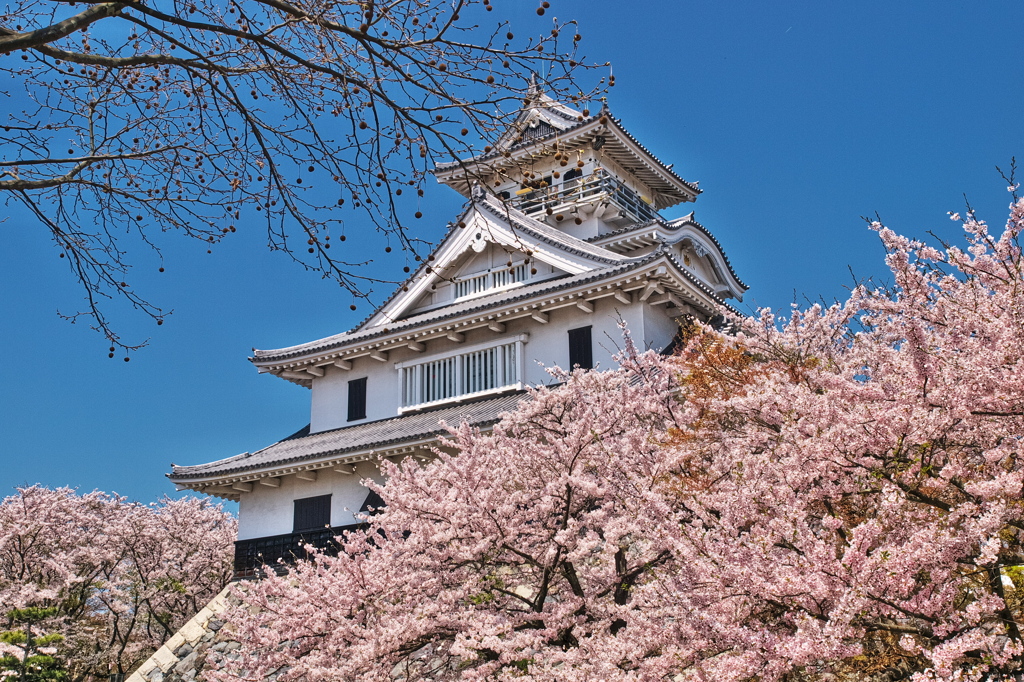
{"points": [[561, 238]]}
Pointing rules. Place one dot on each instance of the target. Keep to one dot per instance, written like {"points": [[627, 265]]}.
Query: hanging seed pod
{"points": [[579, 221]]}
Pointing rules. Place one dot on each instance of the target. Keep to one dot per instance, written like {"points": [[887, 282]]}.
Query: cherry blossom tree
{"points": [[836, 495], [115, 579], [130, 120]]}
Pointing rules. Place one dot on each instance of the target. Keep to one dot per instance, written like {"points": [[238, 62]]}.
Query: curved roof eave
{"points": [[603, 119], [330, 346], [672, 226]]}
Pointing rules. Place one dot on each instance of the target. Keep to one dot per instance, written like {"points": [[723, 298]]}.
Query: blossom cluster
{"points": [[834, 495], [120, 577]]}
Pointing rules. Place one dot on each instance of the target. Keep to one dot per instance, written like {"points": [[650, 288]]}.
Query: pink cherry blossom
{"points": [[124, 576], [831, 495]]}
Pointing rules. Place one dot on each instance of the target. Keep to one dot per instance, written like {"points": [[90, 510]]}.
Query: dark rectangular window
{"points": [[581, 350], [571, 174], [357, 399], [312, 513]]}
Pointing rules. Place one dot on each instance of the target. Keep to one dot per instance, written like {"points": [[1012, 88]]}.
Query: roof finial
{"points": [[534, 88], [478, 191]]}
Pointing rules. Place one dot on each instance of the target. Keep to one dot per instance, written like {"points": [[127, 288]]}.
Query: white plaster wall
{"points": [[270, 511], [383, 394], [659, 328], [547, 346]]}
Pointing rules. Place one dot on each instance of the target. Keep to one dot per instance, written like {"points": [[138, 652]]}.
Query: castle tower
{"points": [[561, 238]]}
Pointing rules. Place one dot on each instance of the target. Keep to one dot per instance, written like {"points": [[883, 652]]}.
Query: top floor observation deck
{"points": [[598, 194]]}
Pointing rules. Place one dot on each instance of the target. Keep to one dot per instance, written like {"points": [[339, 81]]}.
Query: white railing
{"points": [[600, 184], [458, 375], [471, 286]]}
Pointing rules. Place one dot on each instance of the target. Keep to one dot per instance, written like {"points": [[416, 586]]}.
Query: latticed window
{"points": [[462, 374], [490, 280]]}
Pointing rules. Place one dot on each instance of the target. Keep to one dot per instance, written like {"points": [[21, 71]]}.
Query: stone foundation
{"points": [[184, 656]]}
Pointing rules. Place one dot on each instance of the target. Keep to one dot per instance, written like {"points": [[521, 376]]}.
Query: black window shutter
{"points": [[357, 399], [373, 503], [581, 350], [312, 513]]}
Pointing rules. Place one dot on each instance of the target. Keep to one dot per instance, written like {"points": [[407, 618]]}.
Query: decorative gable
{"points": [[492, 247]]}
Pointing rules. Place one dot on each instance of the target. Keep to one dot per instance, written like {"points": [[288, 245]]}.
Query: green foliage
{"points": [[34, 661]]}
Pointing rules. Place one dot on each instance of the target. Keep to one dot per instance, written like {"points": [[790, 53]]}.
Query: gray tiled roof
{"points": [[354, 439], [456, 309], [665, 168]]}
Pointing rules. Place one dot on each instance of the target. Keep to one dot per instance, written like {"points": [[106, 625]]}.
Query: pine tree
{"points": [[34, 658]]}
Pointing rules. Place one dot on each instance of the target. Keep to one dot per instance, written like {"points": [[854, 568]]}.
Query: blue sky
{"points": [[797, 119]]}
